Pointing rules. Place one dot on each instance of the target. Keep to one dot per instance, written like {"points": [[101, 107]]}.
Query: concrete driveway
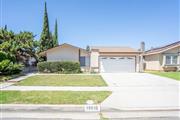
{"points": [[141, 91]]}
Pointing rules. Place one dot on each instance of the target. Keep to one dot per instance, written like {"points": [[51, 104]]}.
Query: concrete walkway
{"points": [[22, 77], [4, 85], [142, 91], [76, 88], [51, 88], [12, 81]]}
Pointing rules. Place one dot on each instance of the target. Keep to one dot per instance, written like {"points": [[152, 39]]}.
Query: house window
{"points": [[171, 60], [82, 60], [168, 60], [174, 60]]}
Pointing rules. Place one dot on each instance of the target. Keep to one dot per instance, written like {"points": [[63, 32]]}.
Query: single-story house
{"points": [[116, 59], [162, 58], [67, 52]]}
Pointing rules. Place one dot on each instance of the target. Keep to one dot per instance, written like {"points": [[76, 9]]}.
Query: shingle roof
{"points": [[44, 52], [163, 48], [114, 49]]}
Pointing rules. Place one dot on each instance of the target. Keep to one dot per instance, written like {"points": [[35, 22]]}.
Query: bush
{"points": [[5, 56], [59, 67], [7, 67]]}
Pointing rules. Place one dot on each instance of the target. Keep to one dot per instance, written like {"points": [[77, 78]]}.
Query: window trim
{"points": [[171, 59], [84, 61]]}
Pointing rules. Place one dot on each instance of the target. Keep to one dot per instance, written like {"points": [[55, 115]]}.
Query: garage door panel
{"points": [[118, 64]]}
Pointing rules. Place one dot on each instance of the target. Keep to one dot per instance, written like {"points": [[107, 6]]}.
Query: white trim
{"points": [[171, 59], [161, 51]]}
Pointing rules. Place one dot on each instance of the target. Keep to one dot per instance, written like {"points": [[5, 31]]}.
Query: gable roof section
{"points": [[163, 48], [115, 49], [44, 52]]}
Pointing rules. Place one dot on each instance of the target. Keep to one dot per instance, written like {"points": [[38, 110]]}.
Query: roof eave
{"points": [[161, 51]]}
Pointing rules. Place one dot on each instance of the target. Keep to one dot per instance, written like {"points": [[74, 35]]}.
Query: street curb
{"points": [[73, 108]]}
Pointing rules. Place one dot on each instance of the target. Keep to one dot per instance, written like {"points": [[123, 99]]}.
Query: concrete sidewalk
{"points": [[55, 88], [4, 85], [84, 88]]}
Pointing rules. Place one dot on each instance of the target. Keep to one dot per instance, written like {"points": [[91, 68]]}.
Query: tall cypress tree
{"points": [[55, 37], [45, 40]]}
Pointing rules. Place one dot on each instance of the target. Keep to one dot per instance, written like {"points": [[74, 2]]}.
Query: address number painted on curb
{"points": [[92, 108]]}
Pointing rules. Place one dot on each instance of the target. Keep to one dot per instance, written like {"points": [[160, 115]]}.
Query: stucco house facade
{"points": [[67, 52], [117, 59], [114, 59], [163, 57]]}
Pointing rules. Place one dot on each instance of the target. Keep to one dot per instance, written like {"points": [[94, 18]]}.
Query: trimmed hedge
{"points": [[59, 67]]}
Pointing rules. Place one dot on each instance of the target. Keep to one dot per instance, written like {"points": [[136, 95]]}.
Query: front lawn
{"points": [[52, 97], [63, 80], [173, 75]]}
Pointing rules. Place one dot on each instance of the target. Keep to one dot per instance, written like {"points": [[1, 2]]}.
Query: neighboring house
{"points": [[163, 57], [117, 59]]}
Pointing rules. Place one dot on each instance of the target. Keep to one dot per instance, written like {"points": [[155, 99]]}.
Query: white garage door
{"points": [[117, 64]]}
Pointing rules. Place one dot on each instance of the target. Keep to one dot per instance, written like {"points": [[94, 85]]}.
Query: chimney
{"points": [[142, 46]]}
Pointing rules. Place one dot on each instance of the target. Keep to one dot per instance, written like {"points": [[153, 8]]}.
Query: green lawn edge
{"points": [[52, 97], [172, 75], [63, 80]]}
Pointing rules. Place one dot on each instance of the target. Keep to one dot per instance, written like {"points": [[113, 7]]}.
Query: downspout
{"points": [[79, 54], [141, 57]]}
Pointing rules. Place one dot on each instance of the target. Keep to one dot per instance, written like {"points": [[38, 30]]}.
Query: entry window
{"points": [[171, 59], [82, 60]]}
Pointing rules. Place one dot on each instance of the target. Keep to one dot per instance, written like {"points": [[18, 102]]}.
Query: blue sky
{"points": [[98, 22]]}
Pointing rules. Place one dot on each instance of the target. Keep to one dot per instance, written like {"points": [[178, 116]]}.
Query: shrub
{"points": [[59, 67], [3, 56], [8, 67], [8, 56]]}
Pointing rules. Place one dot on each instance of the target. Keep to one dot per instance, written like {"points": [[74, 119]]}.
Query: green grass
{"points": [[173, 75], [52, 97], [63, 80]]}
